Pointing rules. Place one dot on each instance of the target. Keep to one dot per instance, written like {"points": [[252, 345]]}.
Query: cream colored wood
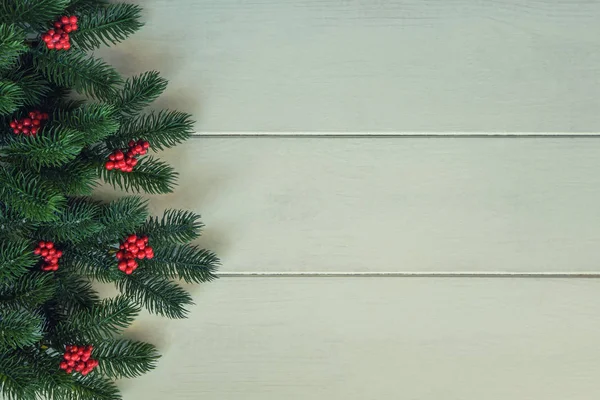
{"points": [[357, 339], [393, 204], [374, 66]]}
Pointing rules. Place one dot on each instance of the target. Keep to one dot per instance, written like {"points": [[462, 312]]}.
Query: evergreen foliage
{"points": [[46, 181]]}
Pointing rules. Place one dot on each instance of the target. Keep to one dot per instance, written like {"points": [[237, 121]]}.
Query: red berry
{"points": [[131, 263], [65, 20], [37, 251], [141, 255], [118, 155], [71, 363], [64, 365], [44, 253], [51, 32], [109, 165], [75, 348], [58, 46], [66, 46], [141, 243], [74, 27], [138, 148], [59, 254], [57, 24], [34, 130], [68, 28], [46, 38], [122, 264], [49, 245], [13, 124], [73, 19], [146, 145], [143, 152], [119, 255], [50, 45], [69, 370]]}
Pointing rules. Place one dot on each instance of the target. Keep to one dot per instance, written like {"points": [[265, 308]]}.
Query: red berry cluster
{"points": [[29, 125], [78, 359], [133, 247], [126, 161], [50, 255], [58, 38]]}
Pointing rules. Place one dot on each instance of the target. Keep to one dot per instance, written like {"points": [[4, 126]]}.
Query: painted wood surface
{"points": [[357, 339], [374, 66], [399, 205]]}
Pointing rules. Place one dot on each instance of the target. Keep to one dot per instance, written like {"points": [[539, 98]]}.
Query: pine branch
{"points": [[95, 121], [125, 359], [15, 378], [28, 291], [74, 69], [19, 327], [122, 217], [33, 86], [175, 226], [16, 258], [75, 178], [184, 262], [92, 387], [149, 175], [77, 222], [100, 322], [12, 225], [139, 91], [33, 13], [11, 97], [163, 130], [75, 293], [109, 25], [85, 5], [158, 295], [11, 45], [91, 261], [53, 148], [29, 195]]}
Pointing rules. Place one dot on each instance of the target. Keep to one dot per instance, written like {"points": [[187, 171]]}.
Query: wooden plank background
{"points": [[334, 247], [374, 65]]}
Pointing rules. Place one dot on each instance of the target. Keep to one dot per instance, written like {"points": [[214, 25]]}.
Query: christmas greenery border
{"points": [[58, 338]]}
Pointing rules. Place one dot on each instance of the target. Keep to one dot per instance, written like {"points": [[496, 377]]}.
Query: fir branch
{"points": [[158, 295], [122, 217], [77, 222], [149, 175], [75, 293], [75, 178], [11, 97], [163, 130], [92, 387], [15, 377], [175, 226], [109, 25], [95, 121], [12, 225], [28, 291], [139, 91], [85, 5], [29, 195], [33, 86], [124, 358], [12, 44], [31, 13], [16, 258], [19, 327], [101, 321], [53, 148], [184, 262], [91, 261], [87, 75]]}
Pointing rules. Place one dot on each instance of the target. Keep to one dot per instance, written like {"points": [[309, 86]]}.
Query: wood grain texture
{"points": [[390, 204], [356, 339], [374, 66]]}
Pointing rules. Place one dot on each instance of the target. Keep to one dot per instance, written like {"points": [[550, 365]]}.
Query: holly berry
{"points": [[29, 125], [58, 37], [78, 359], [49, 254], [125, 160], [131, 248]]}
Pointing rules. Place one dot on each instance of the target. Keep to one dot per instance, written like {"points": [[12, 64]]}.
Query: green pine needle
{"points": [[19, 327], [75, 293], [149, 175], [139, 91], [186, 262], [100, 322], [163, 130], [15, 377], [16, 258], [76, 178], [124, 358], [11, 96], [109, 25], [87, 75], [11, 45], [122, 217], [158, 295], [95, 121], [28, 291], [77, 222], [92, 387], [175, 226], [33, 14]]}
